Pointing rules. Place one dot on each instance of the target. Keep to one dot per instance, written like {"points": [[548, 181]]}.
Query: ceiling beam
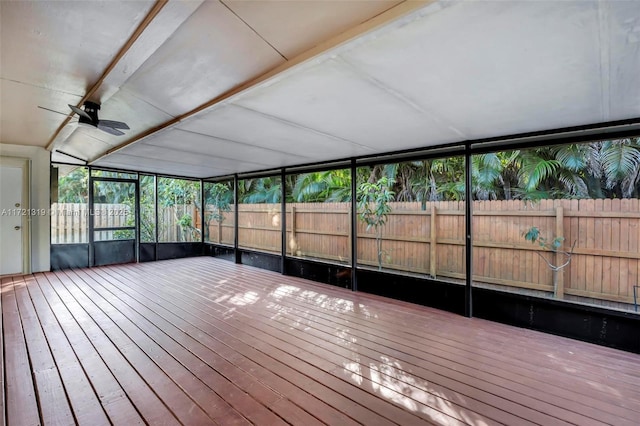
{"points": [[157, 7], [359, 30]]}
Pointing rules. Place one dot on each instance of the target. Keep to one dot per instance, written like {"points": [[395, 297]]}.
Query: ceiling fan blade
{"points": [[113, 124], [80, 112], [52, 110], [110, 130]]}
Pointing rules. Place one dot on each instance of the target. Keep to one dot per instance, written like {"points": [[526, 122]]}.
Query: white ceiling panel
{"points": [[495, 68], [215, 163], [620, 34], [81, 141], [452, 71], [22, 122], [64, 45], [293, 27], [150, 165], [166, 22], [253, 128], [333, 98], [197, 143], [211, 53]]}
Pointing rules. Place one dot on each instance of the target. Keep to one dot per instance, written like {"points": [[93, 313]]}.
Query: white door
{"points": [[11, 223]]}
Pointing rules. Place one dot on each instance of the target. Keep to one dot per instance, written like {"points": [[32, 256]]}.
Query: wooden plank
{"points": [[262, 321], [274, 281], [329, 319], [182, 351], [209, 363], [165, 376], [283, 359], [589, 262], [323, 376], [51, 395], [593, 281], [20, 404], [559, 258], [614, 280], [278, 375], [87, 339], [625, 265], [607, 244], [312, 354], [82, 370]]}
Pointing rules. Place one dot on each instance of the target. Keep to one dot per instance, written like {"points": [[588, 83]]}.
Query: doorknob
{"points": [[17, 228]]}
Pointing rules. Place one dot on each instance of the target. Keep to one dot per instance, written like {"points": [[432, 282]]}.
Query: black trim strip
{"points": [[468, 230]]}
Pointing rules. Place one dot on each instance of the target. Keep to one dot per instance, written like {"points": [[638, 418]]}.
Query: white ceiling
{"points": [[218, 87]]}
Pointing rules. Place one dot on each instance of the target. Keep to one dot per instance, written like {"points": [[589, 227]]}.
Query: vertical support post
{"points": [[236, 215], [468, 211], [137, 218], [293, 240], [157, 223], [558, 290], [202, 206], [283, 222], [354, 226], [433, 242], [91, 217]]}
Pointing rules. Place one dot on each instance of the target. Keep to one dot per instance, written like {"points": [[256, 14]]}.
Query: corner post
{"points": [[468, 211], [354, 227], [236, 215], [558, 288], [283, 222]]}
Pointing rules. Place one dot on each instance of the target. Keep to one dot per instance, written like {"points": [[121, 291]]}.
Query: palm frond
{"points": [[573, 157], [619, 159]]}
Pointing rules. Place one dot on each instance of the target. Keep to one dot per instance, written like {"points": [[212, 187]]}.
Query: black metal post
{"points": [[156, 227], [236, 215], [202, 205], [354, 227], [137, 218], [283, 222], [90, 219], [468, 211]]}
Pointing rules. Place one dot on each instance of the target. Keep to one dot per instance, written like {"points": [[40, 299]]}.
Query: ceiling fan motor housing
{"points": [[91, 108]]}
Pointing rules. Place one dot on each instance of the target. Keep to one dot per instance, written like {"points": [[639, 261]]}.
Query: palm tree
{"points": [[260, 190], [615, 166], [327, 186]]}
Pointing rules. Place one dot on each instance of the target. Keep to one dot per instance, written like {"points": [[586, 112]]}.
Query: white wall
{"points": [[40, 225]]}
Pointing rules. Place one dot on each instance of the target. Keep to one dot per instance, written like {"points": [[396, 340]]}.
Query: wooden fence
{"points": [[70, 222], [605, 264]]}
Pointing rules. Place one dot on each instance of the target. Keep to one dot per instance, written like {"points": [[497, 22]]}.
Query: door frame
{"points": [[91, 202], [25, 223]]}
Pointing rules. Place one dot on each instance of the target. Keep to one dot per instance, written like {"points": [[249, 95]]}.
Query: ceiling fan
{"points": [[89, 116]]}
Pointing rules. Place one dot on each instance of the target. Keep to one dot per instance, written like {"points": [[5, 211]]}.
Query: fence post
{"points": [[559, 259], [293, 242], [432, 242]]}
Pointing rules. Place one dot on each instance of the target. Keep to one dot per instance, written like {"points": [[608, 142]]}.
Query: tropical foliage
{"points": [[605, 169], [373, 208], [218, 198]]}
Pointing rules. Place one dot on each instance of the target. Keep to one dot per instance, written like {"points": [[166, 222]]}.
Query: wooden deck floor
{"points": [[204, 341]]}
